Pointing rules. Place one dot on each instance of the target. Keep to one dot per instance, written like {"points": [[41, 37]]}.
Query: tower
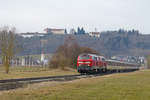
{"points": [[43, 42]]}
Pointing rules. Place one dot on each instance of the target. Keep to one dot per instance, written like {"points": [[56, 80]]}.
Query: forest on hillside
{"points": [[120, 42]]}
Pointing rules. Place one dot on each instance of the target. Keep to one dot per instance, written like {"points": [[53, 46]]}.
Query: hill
{"points": [[110, 43]]}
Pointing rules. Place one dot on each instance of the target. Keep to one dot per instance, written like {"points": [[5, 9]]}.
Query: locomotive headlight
{"points": [[88, 62], [80, 62]]}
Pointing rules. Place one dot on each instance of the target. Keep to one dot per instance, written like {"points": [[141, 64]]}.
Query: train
{"points": [[93, 63]]}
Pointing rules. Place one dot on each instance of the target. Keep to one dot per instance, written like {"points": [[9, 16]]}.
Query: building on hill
{"points": [[94, 34], [55, 31], [31, 34]]}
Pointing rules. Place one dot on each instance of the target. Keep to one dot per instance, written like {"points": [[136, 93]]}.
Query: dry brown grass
{"points": [[25, 72]]}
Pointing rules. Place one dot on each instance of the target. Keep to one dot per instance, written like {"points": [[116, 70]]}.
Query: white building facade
{"points": [[94, 34]]}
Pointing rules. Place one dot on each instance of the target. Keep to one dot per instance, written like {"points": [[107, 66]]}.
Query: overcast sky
{"points": [[35, 15]]}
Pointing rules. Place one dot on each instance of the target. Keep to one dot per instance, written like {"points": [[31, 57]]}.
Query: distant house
{"points": [[29, 34], [55, 31], [95, 34]]}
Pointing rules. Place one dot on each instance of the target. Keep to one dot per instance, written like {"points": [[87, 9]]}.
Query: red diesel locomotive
{"points": [[91, 63]]}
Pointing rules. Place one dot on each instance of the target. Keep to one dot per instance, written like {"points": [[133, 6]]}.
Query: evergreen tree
{"points": [[65, 31], [82, 31], [78, 30]]}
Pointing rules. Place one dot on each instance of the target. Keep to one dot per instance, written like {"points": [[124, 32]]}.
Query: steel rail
{"points": [[36, 78]]}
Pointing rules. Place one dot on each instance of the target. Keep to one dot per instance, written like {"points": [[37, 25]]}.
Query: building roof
{"points": [[53, 29]]}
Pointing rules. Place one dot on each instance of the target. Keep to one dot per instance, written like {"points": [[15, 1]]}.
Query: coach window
{"points": [[96, 58], [103, 59]]}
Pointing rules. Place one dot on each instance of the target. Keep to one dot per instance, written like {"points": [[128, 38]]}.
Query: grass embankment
{"points": [[125, 86], [26, 72]]}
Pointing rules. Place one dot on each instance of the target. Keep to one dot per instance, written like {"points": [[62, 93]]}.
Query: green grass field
{"points": [[124, 86], [25, 72]]}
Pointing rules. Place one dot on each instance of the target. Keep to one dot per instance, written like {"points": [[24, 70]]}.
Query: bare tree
{"points": [[66, 55], [7, 46]]}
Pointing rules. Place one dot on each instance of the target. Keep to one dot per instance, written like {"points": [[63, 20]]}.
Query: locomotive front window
{"points": [[84, 57]]}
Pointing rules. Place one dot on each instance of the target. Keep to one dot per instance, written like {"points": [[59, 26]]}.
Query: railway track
{"points": [[22, 82], [49, 78]]}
